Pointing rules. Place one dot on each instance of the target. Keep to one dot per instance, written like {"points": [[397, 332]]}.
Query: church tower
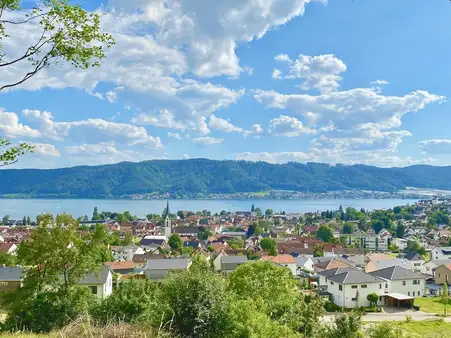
{"points": [[167, 223]]}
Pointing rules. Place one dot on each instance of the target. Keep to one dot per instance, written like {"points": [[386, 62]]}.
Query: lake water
{"points": [[18, 208]]}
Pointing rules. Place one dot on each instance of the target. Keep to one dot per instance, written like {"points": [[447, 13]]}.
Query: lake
{"points": [[18, 208]]}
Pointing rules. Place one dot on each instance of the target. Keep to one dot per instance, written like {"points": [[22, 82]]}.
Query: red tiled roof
{"points": [[281, 259], [121, 265]]}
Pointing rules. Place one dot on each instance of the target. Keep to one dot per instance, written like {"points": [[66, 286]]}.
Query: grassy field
{"points": [[432, 305], [431, 329]]}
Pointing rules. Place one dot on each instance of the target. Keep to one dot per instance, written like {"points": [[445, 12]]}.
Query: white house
{"points": [[9, 248], [429, 267], [441, 253], [399, 280], [126, 253], [287, 261], [303, 263], [157, 269], [416, 261], [100, 283], [401, 243], [349, 287]]}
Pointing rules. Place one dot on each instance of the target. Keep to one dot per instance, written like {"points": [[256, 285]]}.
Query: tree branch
{"points": [[23, 21]]}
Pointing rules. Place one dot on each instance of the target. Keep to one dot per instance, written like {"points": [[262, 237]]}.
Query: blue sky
{"points": [[278, 80]]}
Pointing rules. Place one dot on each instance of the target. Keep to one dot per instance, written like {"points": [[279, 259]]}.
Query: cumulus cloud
{"points": [[11, 128], [208, 140], [288, 126], [223, 125], [91, 130], [174, 135], [44, 149], [256, 130], [316, 72], [379, 82], [436, 147]]}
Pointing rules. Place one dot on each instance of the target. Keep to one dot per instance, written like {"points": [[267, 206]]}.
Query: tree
{"points": [[400, 230], [258, 212], [181, 214], [348, 228], [372, 298], [318, 250], [272, 251], [95, 215], [7, 259], [252, 207], [5, 219], [236, 243], [24, 220], [268, 212], [28, 220], [377, 225], [384, 330], [67, 34], [128, 239], [204, 234], [396, 210], [175, 242], [267, 243], [413, 245], [444, 298], [324, 233], [10, 154], [345, 325]]}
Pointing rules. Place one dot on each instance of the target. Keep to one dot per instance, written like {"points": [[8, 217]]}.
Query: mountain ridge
{"points": [[204, 176]]}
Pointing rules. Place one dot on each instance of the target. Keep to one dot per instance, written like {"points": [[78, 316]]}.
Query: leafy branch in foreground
{"points": [[65, 33], [10, 154]]}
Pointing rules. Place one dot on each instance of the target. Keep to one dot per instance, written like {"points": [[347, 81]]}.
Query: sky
{"points": [[336, 81]]}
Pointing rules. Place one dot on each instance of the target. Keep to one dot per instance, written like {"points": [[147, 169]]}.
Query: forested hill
{"points": [[209, 176]]}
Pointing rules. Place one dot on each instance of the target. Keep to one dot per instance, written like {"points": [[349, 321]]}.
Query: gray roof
{"points": [[357, 259], [11, 274], [387, 263], [396, 273], [354, 277], [439, 262], [233, 259], [317, 260], [301, 260], [98, 277], [414, 256], [167, 264], [335, 271]]}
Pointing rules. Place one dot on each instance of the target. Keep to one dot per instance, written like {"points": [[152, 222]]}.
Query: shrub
{"points": [[331, 307]]}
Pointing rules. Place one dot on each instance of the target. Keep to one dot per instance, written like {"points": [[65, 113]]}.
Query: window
{"points": [[340, 287], [363, 286], [408, 293], [380, 286], [354, 287], [403, 282], [418, 293], [416, 282], [93, 289], [353, 299], [331, 283], [386, 285]]}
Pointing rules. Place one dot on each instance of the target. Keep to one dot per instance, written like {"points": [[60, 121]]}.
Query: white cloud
{"points": [[11, 128], [288, 126], [316, 72], [256, 130], [174, 135], [223, 125], [91, 130], [186, 156], [435, 147], [44, 149], [379, 82], [208, 140], [350, 108]]}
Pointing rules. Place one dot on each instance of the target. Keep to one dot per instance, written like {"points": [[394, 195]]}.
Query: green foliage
{"points": [[269, 212], [175, 242], [413, 245], [348, 228], [267, 243], [318, 250], [204, 234], [128, 303], [69, 34], [400, 230], [438, 217], [444, 298], [95, 215], [236, 243], [7, 259], [345, 325], [331, 307], [372, 298], [384, 330], [9, 154], [325, 233]]}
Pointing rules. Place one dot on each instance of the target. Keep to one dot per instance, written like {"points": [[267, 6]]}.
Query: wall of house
{"points": [[346, 296], [438, 254], [108, 286], [428, 268], [416, 265], [217, 262], [407, 287], [156, 274], [291, 266], [8, 286], [442, 275]]}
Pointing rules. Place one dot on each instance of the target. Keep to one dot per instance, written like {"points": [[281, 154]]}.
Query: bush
{"points": [[331, 307]]}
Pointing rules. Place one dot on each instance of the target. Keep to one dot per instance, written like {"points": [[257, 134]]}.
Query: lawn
{"points": [[432, 305], [427, 328]]}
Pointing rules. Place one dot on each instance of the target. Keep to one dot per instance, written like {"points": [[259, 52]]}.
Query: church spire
{"points": [[167, 209]]}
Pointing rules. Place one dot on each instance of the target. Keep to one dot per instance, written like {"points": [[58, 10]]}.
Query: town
{"points": [[402, 255]]}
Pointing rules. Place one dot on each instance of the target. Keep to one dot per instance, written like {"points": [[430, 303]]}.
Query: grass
{"points": [[426, 328], [432, 305]]}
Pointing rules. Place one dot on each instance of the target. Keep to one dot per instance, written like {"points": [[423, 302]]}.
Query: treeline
{"points": [[202, 176]]}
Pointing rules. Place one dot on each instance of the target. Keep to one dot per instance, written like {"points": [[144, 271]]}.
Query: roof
{"points": [[5, 247], [354, 277], [142, 258], [389, 263], [98, 277], [396, 273], [280, 259], [445, 249], [414, 256], [186, 230], [439, 262], [233, 259], [398, 296], [11, 274], [336, 271], [121, 265], [448, 266], [167, 264], [152, 241], [301, 260]]}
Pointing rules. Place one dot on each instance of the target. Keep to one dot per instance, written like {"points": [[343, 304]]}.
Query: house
{"points": [[230, 263], [443, 274], [9, 248], [126, 253], [287, 261], [399, 280], [303, 263], [416, 261], [157, 269], [349, 287], [327, 263], [217, 265], [441, 253], [123, 267], [152, 241], [401, 243], [142, 258], [10, 279], [100, 282], [374, 265], [187, 231], [429, 267]]}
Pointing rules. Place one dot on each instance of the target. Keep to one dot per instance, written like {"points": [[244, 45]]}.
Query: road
{"points": [[396, 316]]}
